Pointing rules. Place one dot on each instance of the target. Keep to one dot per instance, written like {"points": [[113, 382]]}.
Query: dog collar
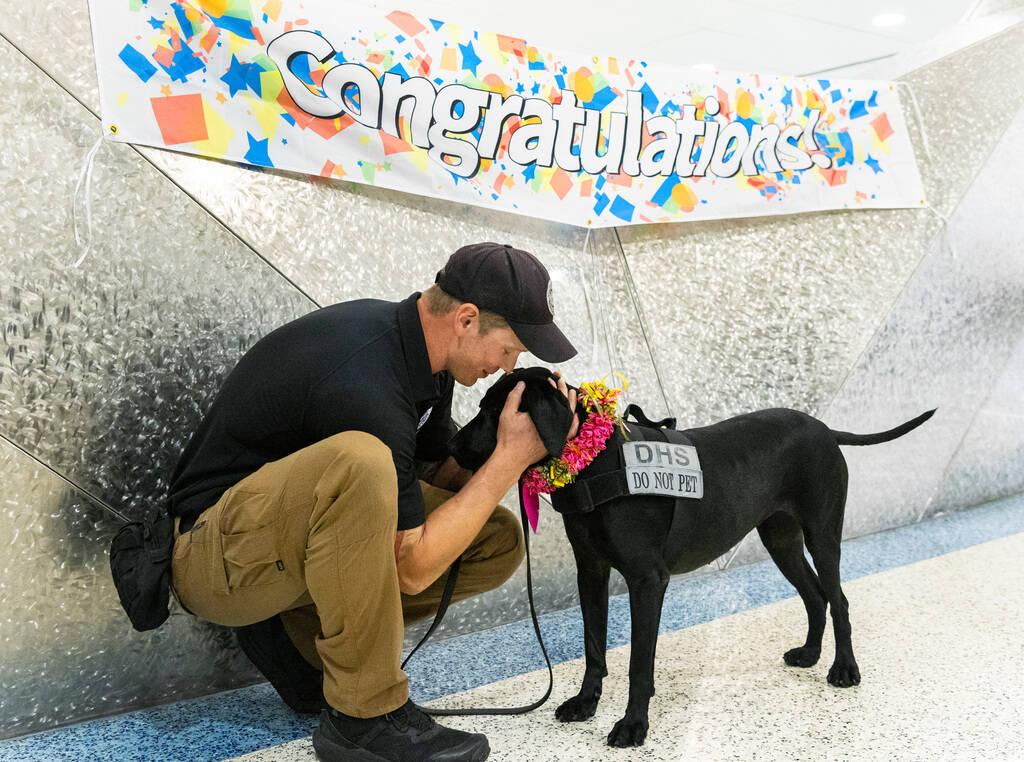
{"points": [[600, 403]]}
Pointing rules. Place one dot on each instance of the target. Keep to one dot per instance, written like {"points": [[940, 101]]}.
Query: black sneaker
{"points": [[407, 734], [297, 681]]}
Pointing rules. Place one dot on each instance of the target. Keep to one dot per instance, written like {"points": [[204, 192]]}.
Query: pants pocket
{"points": [[250, 536], [251, 558]]}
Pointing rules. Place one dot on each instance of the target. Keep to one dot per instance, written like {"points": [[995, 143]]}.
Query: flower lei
{"points": [[599, 401]]}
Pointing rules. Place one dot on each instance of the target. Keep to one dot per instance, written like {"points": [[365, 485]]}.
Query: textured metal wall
{"points": [[754, 313], [948, 343], [105, 371], [108, 367], [989, 460], [66, 650]]}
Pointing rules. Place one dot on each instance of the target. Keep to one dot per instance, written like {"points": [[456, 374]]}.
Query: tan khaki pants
{"points": [[312, 536]]}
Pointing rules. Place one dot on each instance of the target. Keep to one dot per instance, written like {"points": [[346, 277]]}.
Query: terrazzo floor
{"points": [[937, 611]]}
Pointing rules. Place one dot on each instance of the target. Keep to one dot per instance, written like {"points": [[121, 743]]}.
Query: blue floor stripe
{"points": [[236, 722]]}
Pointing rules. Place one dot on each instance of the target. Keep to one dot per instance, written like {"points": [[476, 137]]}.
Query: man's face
{"points": [[475, 356]]}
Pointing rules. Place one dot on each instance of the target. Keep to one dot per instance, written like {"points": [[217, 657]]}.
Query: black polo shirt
{"points": [[354, 366]]}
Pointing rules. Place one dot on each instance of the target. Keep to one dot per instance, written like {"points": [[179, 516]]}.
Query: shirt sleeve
{"points": [[432, 438], [377, 405]]}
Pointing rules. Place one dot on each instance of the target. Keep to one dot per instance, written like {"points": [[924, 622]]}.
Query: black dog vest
{"points": [[614, 474]]}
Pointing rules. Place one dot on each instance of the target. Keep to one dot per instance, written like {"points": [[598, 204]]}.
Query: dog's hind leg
{"points": [[825, 553], [592, 579], [782, 536], [823, 541], [646, 595]]}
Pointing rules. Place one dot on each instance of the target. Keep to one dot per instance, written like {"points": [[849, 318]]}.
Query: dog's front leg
{"points": [[646, 594], [592, 580]]}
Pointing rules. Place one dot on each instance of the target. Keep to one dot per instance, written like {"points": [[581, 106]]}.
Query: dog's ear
{"points": [[474, 442], [494, 398], [550, 413], [548, 409]]}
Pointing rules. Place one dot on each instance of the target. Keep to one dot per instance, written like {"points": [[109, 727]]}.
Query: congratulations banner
{"points": [[426, 106]]}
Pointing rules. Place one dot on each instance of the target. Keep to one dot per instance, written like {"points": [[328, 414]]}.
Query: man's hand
{"points": [[424, 552], [518, 439], [516, 432], [570, 395]]}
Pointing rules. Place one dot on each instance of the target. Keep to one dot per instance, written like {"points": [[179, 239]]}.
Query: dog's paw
{"points": [[628, 733], [802, 656], [577, 708], [844, 674]]}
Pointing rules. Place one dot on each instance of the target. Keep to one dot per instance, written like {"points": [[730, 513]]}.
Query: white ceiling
{"points": [[778, 37]]}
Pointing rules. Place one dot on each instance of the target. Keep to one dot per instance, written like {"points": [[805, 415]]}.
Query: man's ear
{"points": [[465, 314], [474, 442], [550, 413]]}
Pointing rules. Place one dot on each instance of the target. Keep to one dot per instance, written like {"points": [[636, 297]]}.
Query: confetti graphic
{"points": [[431, 107]]}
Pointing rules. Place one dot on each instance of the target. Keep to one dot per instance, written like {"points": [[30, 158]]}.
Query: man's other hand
{"points": [[570, 395], [518, 439]]}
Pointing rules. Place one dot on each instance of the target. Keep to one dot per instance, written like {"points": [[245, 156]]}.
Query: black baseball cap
{"points": [[514, 284]]}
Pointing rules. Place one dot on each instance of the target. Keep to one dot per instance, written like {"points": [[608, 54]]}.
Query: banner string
{"points": [[917, 116], [86, 176], [593, 309], [945, 230], [927, 152]]}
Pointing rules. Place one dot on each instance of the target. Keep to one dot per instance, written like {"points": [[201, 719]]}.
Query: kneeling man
{"points": [[301, 517]]}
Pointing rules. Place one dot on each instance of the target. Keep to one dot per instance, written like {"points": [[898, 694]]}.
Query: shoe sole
{"points": [[337, 752], [331, 746]]}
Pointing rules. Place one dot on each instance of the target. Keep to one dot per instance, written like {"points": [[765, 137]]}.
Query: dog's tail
{"points": [[846, 438]]}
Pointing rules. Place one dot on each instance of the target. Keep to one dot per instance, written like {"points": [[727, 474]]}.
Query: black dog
{"points": [[779, 471]]}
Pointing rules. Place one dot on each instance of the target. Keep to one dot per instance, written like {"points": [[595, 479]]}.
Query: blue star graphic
{"points": [[535, 89], [787, 99], [873, 163], [235, 77], [257, 153], [155, 22], [470, 60], [252, 79], [519, 87], [183, 64]]}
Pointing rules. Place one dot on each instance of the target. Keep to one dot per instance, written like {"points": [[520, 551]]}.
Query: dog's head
{"points": [[547, 407]]}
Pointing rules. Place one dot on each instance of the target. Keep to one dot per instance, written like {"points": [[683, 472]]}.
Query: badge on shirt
{"points": [[662, 468], [424, 418]]}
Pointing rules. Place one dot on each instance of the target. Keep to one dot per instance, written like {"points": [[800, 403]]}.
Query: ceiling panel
{"points": [[782, 36]]}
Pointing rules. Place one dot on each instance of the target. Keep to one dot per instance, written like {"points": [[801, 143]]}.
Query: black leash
{"points": [[446, 598]]}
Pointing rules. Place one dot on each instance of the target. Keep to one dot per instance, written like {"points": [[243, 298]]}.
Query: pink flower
{"points": [[577, 453]]}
